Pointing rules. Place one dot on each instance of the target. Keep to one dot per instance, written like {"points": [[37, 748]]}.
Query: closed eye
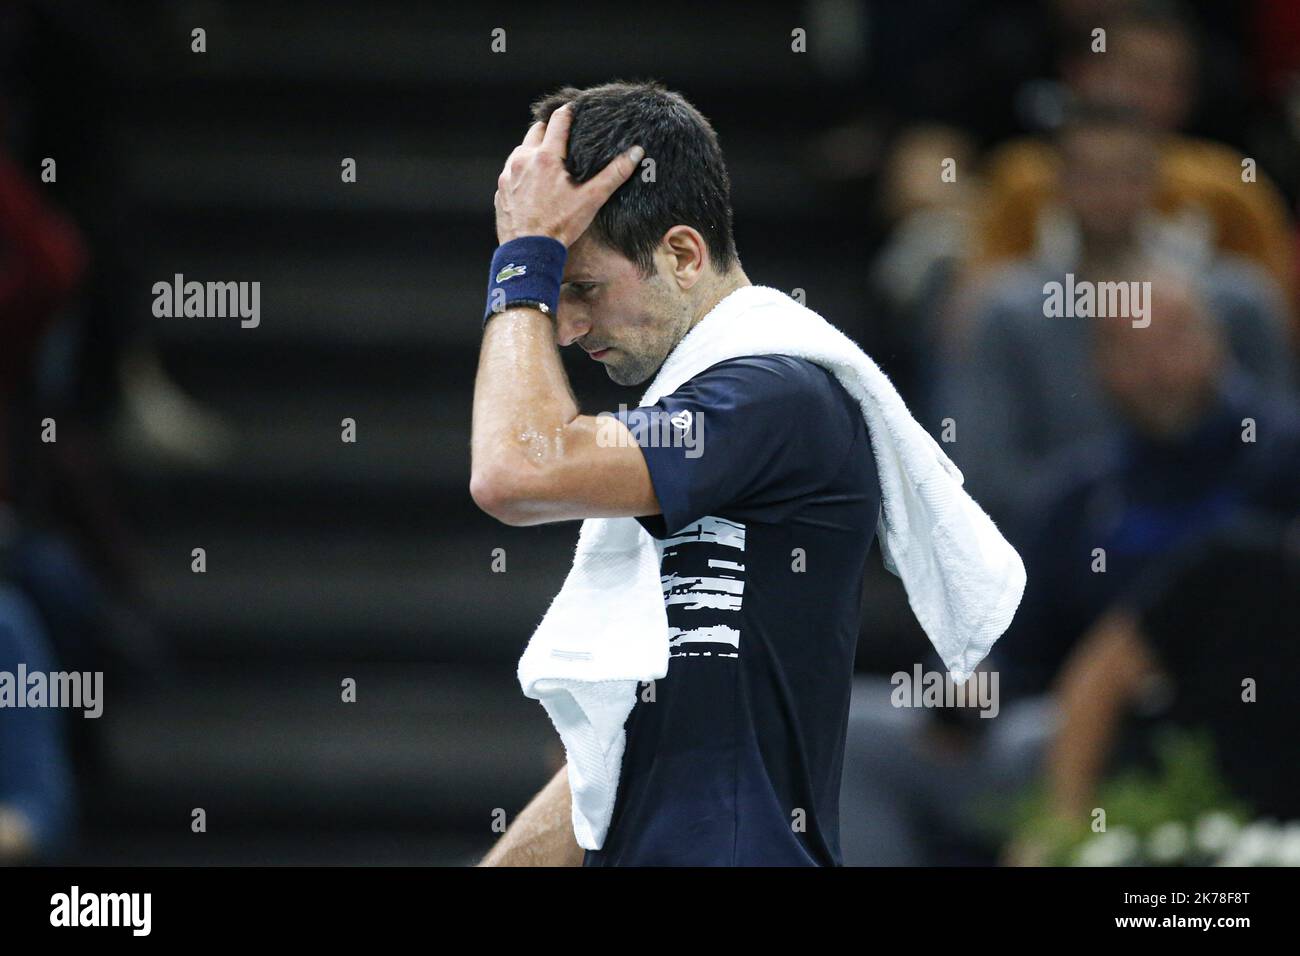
{"points": [[580, 289]]}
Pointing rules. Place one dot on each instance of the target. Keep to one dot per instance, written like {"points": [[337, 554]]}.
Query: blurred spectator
{"points": [[1017, 383], [1198, 440], [930, 219], [1178, 651], [975, 65], [41, 260], [1186, 462], [36, 793], [1149, 67], [68, 535], [68, 597]]}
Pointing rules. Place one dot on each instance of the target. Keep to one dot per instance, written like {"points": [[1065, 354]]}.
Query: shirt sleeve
{"points": [[747, 438]]}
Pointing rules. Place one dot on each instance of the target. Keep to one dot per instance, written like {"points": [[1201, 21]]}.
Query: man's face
{"points": [[1155, 72], [1146, 69], [630, 323], [1109, 178], [1160, 377]]}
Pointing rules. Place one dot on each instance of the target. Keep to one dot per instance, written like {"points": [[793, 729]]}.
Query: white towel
{"points": [[607, 630]]}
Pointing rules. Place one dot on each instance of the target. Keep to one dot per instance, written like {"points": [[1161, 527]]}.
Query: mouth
{"points": [[598, 354]]}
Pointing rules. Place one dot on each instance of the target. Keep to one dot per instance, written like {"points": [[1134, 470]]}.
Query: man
{"points": [[1150, 69], [1197, 442], [1019, 385], [1208, 630], [735, 756]]}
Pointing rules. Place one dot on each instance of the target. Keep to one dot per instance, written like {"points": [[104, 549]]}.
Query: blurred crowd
{"points": [[79, 381], [1146, 466]]}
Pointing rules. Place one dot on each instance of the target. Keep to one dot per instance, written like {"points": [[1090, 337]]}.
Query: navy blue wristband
{"points": [[526, 270]]}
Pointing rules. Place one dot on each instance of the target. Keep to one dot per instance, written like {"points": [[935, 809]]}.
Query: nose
{"points": [[570, 325]]}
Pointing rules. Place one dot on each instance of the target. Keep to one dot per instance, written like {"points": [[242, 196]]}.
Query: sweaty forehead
{"points": [[589, 258]]}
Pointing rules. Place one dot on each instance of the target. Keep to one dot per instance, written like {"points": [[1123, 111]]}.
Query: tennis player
{"points": [[735, 757]]}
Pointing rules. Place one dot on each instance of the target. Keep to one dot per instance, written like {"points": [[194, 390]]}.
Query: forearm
{"points": [[522, 398], [542, 834], [523, 404], [1077, 759], [1098, 684]]}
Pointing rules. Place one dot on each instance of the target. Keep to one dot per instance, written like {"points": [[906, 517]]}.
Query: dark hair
{"points": [[1167, 16], [691, 186]]}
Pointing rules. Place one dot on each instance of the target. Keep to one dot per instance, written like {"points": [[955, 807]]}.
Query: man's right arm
{"points": [[542, 834], [1103, 676]]}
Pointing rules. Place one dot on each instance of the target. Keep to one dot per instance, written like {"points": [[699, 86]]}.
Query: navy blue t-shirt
{"points": [[770, 499]]}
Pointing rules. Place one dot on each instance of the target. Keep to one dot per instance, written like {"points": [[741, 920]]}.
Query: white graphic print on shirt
{"points": [[703, 578]]}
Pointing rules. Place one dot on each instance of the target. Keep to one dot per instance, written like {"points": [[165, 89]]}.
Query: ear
{"points": [[688, 252]]}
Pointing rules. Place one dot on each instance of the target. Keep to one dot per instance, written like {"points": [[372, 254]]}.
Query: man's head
{"points": [[1108, 173], [660, 251], [1150, 65], [1162, 377]]}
